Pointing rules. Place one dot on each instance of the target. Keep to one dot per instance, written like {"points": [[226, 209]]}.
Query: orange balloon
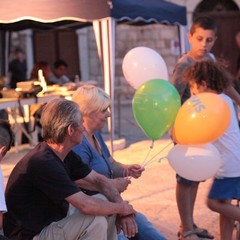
{"points": [[203, 118]]}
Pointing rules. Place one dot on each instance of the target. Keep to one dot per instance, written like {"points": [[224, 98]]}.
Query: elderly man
{"points": [[47, 179]]}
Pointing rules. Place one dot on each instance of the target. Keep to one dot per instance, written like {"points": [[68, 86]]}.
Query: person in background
{"points": [[36, 109], [209, 77], [59, 73], [17, 68], [50, 177], [3, 112], [6, 140], [46, 70], [94, 104]]}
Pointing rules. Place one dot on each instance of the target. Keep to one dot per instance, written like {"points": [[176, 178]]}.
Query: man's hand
{"points": [[121, 183], [127, 209], [128, 225]]}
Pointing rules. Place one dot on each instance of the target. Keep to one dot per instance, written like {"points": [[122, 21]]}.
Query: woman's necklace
{"points": [[94, 142], [97, 144]]}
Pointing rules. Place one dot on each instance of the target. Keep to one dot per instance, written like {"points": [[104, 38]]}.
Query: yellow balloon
{"points": [[203, 118]]}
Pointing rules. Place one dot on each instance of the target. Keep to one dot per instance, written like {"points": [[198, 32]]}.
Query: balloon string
{"points": [[150, 148], [161, 158], [151, 160]]}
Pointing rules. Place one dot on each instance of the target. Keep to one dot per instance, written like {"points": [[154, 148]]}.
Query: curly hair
{"points": [[213, 74]]}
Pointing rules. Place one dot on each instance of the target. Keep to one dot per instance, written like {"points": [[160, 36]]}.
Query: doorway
{"points": [[61, 44], [227, 17]]}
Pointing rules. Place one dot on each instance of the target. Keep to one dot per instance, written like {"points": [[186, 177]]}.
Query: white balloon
{"points": [[142, 64], [195, 162]]}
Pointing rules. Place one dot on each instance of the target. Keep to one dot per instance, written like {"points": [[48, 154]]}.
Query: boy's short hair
{"points": [[18, 50], [204, 22], [59, 63]]}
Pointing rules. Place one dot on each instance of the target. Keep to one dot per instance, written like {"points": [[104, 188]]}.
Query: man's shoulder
{"points": [[64, 79]]}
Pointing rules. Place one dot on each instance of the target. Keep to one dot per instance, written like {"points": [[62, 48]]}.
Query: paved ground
{"points": [[154, 193]]}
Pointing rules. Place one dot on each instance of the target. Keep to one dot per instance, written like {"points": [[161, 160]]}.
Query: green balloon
{"points": [[155, 105]]}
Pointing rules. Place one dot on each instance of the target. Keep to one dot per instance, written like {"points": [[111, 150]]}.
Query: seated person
{"points": [[3, 112], [94, 104], [59, 73], [46, 70], [50, 177], [6, 139]]}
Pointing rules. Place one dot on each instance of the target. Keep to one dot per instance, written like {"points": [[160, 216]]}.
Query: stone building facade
{"points": [[161, 38]]}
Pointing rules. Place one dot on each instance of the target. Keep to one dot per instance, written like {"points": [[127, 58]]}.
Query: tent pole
{"points": [[182, 34], [105, 37]]}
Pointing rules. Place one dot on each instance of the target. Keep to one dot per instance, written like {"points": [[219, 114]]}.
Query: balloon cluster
{"points": [[201, 120], [156, 101]]}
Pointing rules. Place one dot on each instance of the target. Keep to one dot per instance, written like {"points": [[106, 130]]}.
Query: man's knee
{"points": [[101, 222], [75, 226], [96, 222]]}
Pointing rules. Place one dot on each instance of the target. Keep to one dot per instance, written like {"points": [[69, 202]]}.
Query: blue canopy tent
{"points": [[149, 11], [103, 14]]}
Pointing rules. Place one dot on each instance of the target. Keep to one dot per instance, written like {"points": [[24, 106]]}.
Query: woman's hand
{"points": [[135, 170]]}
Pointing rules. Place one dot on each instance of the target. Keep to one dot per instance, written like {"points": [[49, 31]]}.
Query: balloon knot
{"points": [[152, 144]]}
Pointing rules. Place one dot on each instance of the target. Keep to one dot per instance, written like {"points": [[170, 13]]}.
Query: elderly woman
{"points": [[49, 177], [94, 104]]}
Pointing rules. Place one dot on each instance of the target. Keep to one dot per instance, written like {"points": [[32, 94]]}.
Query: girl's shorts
{"points": [[225, 188]]}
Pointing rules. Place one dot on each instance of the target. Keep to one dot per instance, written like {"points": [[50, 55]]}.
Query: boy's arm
{"points": [[177, 79], [233, 94]]}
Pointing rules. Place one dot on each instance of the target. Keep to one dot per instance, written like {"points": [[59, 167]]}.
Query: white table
{"points": [[17, 121], [14, 102]]}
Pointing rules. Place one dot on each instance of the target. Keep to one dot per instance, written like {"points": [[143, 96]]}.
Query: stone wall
{"points": [[158, 37]]}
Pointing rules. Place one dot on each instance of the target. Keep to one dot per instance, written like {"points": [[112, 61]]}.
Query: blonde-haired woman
{"points": [[94, 104]]}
